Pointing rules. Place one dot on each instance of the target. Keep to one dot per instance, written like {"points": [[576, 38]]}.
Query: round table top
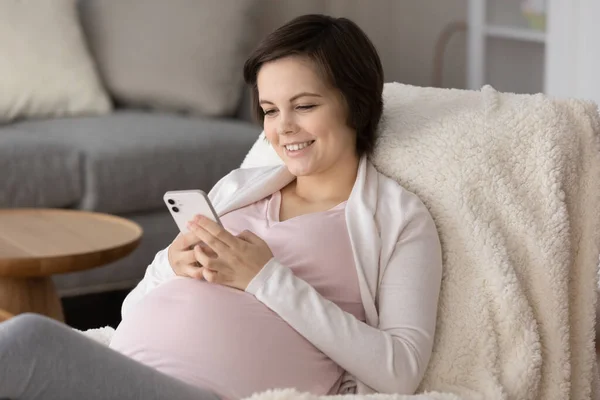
{"points": [[5, 315], [37, 242]]}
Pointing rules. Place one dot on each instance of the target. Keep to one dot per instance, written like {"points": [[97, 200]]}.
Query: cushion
{"points": [[184, 55], [37, 173], [45, 68], [131, 158]]}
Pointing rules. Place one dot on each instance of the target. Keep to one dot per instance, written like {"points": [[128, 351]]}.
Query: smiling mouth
{"points": [[298, 146]]}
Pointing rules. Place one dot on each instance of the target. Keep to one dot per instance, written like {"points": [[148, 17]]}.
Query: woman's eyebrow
{"points": [[295, 97]]}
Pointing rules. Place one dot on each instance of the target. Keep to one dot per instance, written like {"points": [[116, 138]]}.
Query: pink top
{"points": [[227, 341]]}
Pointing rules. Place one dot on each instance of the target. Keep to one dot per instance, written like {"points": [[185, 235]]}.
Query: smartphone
{"points": [[184, 205]]}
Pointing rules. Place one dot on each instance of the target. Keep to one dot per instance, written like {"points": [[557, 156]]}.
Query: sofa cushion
{"points": [[37, 173], [45, 67], [184, 55], [131, 158]]}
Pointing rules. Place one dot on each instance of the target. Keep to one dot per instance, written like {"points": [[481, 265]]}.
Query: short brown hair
{"points": [[343, 54]]}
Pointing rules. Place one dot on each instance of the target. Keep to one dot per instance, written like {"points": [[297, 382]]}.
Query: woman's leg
{"points": [[44, 359]]}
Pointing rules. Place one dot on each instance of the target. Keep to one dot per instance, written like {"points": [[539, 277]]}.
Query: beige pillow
{"points": [[45, 68], [183, 55]]}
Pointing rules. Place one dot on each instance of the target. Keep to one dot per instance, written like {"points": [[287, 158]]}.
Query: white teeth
{"points": [[297, 146]]}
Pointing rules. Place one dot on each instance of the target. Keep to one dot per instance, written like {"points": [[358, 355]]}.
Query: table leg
{"points": [[38, 295]]}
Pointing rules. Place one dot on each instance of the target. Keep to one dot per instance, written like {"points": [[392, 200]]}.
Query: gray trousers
{"points": [[44, 359]]}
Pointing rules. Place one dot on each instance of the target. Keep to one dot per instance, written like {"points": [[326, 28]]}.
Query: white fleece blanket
{"points": [[513, 183]]}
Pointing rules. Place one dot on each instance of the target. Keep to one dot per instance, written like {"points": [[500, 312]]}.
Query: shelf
{"points": [[524, 34]]}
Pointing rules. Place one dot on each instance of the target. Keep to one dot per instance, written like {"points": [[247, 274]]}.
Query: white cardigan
{"points": [[399, 264]]}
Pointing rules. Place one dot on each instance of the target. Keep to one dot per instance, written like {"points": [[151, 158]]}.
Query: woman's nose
{"points": [[286, 125]]}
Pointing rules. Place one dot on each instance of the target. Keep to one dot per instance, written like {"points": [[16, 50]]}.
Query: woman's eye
{"points": [[269, 112], [308, 107]]}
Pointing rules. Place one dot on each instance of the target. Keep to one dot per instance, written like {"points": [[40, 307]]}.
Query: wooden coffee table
{"points": [[37, 243], [5, 315]]}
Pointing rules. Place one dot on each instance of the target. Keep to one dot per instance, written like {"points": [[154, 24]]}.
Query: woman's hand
{"points": [[234, 260], [182, 258]]}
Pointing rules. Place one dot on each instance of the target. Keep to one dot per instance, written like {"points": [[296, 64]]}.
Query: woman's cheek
{"points": [[272, 137]]}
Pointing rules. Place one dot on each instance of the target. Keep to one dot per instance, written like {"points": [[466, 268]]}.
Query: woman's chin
{"points": [[298, 169]]}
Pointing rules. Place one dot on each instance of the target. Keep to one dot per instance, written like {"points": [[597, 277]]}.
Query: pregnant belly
{"points": [[221, 339]]}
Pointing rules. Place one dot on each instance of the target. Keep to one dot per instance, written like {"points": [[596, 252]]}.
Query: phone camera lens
{"points": [[175, 209], [171, 201]]}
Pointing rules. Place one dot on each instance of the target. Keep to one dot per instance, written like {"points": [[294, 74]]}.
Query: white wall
{"points": [[573, 54], [404, 32]]}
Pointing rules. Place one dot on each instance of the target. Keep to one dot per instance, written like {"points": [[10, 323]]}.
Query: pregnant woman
{"points": [[324, 277]]}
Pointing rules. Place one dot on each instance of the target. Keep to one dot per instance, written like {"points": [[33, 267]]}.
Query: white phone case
{"points": [[184, 205]]}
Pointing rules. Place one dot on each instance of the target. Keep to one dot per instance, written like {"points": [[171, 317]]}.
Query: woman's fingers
{"points": [[182, 258], [187, 265], [207, 250], [201, 257], [210, 275], [213, 276], [207, 238], [207, 258], [187, 258], [250, 237], [192, 271], [185, 241], [216, 231], [215, 270]]}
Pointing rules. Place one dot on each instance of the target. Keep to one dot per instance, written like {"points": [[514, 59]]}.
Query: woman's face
{"points": [[305, 119]]}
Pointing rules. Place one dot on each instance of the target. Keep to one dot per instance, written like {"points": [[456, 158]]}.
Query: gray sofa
{"points": [[180, 118], [122, 164]]}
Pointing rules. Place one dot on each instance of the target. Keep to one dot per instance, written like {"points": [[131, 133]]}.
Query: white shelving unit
{"points": [[562, 62], [502, 50], [507, 32]]}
